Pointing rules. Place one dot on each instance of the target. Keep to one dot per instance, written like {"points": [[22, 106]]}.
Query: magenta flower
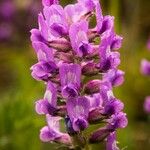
{"points": [[70, 76], [111, 142], [80, 73], [78, 110], [145, 67], [52, 131], [49, 2], [79, 40], [147, 104], [115, 77]]}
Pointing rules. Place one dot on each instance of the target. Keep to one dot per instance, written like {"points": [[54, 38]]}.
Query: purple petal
{"points": [[53, 123], [107, 24], [99, 17], [44, 107], [113, 106], [78, 107], [51, 94], [108, 59], [43, 28], [145, 67], [95, 101], [45, 134], [43, 70], [56, 20], [44, 53], [111, 143], [99, 135], [70, 75], [79, 124], [118, 121], [147, 104], [79, 40], [75, 12], [49, 2], [116, 42], [36, 36], [116, 77]]}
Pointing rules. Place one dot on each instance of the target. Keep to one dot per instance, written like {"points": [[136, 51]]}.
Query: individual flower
{"points": [[48, 105], [49, 2], [111, 143], [108, 58], [51, 132], [79, 40], [147, 104], [118, 121], [78, 110], [145, 67], [70, 76], [115, 77]]}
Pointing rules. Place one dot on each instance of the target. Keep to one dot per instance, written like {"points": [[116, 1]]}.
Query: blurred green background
{"points": [[20, 125]]}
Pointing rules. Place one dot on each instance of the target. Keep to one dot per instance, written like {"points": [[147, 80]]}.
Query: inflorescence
{"points": [[79, 65]]}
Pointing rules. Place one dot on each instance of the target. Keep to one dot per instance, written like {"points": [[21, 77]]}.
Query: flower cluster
{"points": [[145, 70], [79, 64]]}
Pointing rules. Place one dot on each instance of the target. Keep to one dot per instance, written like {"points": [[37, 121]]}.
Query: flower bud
{"points": [[92, 87], [61, 45], [99, 135], [89, 69], [95, 116]]}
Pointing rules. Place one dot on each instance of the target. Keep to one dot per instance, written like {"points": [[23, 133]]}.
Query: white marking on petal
{"points": [[78, 110], [48, 96]]}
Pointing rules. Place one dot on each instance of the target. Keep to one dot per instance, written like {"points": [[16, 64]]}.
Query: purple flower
{"points": [[115, 77], [99, 135], [43, 107], [76, 12], [51, 94], [52, 132], [118, 121], [147, 104], [56, 20], [111, 143], [145, 67], [44, 53], [107, 25], [92, 87], [78, 110], [79, 39], [43, 70], [109, 59], [49, 2], [89, 69], [70, 76], [48, 104], [80, 72], [113, 106]]}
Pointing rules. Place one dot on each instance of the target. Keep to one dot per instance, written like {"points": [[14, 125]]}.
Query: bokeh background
{"points": [[19, 124]]}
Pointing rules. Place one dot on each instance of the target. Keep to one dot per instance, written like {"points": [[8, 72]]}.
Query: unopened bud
{"points": [[61, 45], [92, 87]]}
